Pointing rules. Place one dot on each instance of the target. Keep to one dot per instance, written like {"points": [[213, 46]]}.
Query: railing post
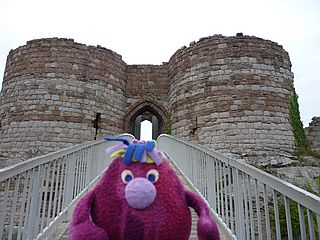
{"points": [[96, 153], [303, 234], [276, 214], [68, 190], [103, 158], [4, 206], [89, 166], [266, 212], [239, 217], [236, 201], [34, 202], [288, 217]]}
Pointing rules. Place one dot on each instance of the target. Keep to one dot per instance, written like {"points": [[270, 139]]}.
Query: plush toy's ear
{"points": [[82, 226]]}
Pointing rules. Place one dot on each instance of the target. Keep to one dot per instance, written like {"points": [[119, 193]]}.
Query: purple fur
{"points": [[82, 226], [105, 214], [207, 229]]}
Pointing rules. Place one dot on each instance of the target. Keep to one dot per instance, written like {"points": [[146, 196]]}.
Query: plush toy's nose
{"points": [[140, 193]]}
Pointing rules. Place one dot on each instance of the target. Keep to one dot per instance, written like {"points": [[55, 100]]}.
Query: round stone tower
{"points": [[55, 92], [231, 94]]}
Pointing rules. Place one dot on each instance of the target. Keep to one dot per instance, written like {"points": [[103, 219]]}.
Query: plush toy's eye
{"points": [[126, 176], [153, 175]]}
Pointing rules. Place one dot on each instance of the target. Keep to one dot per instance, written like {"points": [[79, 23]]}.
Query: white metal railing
{"points": [[249, 203], [35, 193]]}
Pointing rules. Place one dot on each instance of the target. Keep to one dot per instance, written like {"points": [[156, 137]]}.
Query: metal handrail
{"points": [[249, 202], [35, 193]]}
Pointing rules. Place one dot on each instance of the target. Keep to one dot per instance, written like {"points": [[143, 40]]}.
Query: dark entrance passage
{"points": [[146, 130], [146, 111], [149, 117]]}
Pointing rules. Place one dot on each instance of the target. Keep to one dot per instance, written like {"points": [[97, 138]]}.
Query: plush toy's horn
{"points": [[138, 150], [125, 141]]}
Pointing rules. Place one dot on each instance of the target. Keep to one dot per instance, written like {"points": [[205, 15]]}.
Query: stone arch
{"points": [[146, 110]]}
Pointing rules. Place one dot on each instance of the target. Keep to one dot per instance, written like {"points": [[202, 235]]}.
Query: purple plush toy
{"points": [[140, 197]]}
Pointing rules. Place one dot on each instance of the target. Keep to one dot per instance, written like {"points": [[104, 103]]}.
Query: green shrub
{"points": [[168, 129], [294, 212], [302, 144]]}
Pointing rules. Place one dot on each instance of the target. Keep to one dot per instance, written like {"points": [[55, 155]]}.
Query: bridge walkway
{"points": [[37, 196]]}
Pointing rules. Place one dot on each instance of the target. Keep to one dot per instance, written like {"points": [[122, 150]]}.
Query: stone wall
{"points": [[52, 90], [231, 94], [228, 93], [305, 177], [147, 82], [313, 134]]}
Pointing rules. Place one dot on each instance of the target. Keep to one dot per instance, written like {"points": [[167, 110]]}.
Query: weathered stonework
{"points": [[228, 93], [313, 134], [302, 176]]}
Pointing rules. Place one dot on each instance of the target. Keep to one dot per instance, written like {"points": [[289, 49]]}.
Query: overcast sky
{"points": [[149, 32]]}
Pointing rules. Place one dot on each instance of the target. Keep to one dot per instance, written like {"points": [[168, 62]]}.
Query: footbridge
{"points": [[37, 196]]}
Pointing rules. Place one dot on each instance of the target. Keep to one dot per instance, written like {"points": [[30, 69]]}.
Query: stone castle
{"points": [[228, 93]]}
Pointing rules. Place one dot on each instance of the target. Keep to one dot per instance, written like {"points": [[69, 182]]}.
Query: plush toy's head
{"points": [[139, 172]]}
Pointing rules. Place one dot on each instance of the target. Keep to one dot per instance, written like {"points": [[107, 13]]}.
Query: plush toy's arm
{"points": [[207, 229], [82, 226]]}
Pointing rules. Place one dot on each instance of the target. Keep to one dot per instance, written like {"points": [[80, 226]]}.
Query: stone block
{"points": [[222, 45]]}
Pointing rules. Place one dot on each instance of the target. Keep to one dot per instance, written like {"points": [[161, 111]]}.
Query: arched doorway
{"points": [[146, 110]]}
